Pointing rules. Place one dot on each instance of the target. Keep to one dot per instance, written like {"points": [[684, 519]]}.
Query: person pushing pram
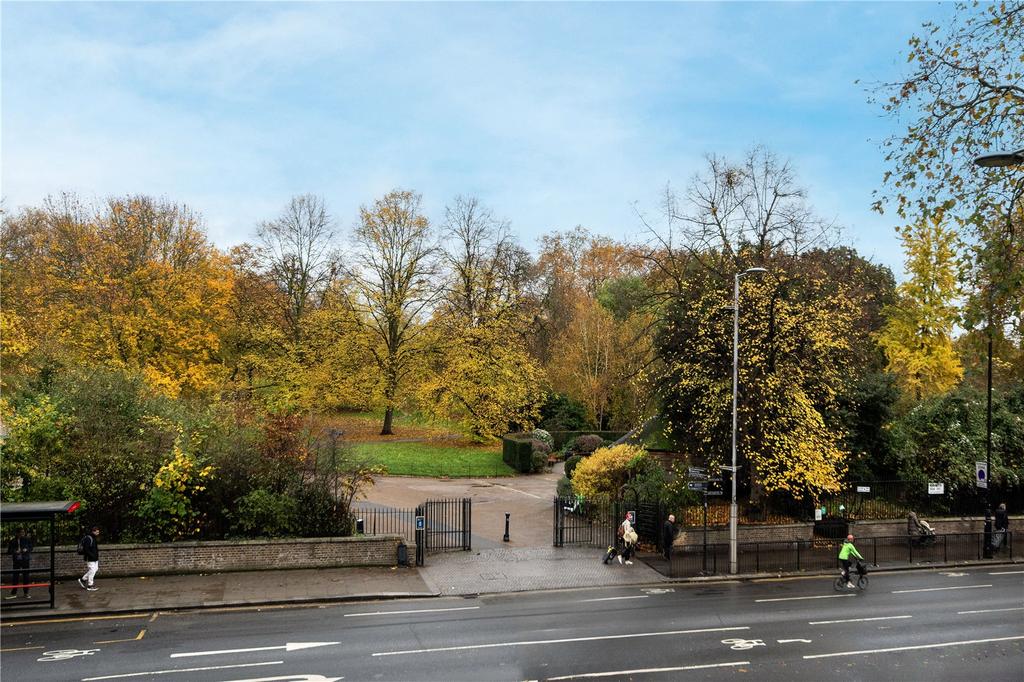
{"points": [[920, 533]]}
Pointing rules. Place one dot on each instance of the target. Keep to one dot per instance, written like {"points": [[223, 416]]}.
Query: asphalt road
{"points": [[920, 625]]}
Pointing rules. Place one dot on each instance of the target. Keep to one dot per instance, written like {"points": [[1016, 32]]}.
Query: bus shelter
{"points": [[34, 514]]}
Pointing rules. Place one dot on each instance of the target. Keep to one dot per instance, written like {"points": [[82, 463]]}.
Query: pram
{"points": [[921, 534]]}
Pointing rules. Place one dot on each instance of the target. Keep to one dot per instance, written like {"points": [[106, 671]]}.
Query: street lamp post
{"points": [[994, 160], [733, 511]]}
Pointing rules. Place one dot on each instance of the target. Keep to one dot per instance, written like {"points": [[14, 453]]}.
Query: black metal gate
{"points": [[594, 523], [447, 526]]}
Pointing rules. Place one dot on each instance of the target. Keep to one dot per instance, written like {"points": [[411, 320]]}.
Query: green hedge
{"points": [[563, 437], [517, 452]]}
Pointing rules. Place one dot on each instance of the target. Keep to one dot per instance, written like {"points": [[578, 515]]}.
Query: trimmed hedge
{"points": [[517, 452]]}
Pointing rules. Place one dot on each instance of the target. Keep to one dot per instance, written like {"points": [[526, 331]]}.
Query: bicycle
{"points": [[840, 585]]}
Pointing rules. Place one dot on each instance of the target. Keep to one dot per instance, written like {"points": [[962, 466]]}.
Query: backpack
{"points": [[82, 544]]}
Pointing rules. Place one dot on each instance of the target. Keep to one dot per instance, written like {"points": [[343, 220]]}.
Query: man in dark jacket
{"points": [[668, 536], [1002, 524], [20, 551], [90, 549]]}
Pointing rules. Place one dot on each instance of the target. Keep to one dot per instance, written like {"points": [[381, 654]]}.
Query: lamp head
{"points": [[1000, 159], [751, 271]]}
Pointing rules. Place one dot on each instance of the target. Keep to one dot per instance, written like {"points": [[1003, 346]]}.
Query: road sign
{"points": [[697, 472], [936, 488], [981, 471], [863, 488], [697, 485], [712, 493], [421, 522]]}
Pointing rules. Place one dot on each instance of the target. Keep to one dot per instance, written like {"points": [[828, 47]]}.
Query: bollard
{"points": [[505, 539]]}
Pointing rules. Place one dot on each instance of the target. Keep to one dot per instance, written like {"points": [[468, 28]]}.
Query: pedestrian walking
{"points": [[20, 550], [89, 548], [1002, 525], [668, 536], [627, 537]]}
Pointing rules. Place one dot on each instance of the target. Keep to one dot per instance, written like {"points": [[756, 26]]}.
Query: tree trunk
{"points": [[389, 412]]}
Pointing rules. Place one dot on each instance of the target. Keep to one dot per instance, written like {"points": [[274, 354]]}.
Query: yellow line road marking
{"points": [[22, 648], [142, 633], [79, 619]]}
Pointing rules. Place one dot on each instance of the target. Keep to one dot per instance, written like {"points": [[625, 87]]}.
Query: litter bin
{"points": [[360, 527], [403, 555]]}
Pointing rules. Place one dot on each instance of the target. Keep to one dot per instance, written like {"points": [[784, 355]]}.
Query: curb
{"points": [[56, 615]]}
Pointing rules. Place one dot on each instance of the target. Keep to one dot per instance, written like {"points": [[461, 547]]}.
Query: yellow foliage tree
{"points": [[603, 473]]}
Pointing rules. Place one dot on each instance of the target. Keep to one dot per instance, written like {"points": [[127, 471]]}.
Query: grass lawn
{"points": [[425, 459]]}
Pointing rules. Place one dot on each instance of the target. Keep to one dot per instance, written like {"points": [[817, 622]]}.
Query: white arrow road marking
{"points": [[539, 642], [936, 589], [657, 590], [854, 620], [787, 641], [918, 646], [620, 673], [179, 670], [293, 678], [291, 646], [953, 574]]}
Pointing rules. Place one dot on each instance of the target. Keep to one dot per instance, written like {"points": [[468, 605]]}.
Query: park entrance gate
{"points": [[594, 524], [443, 525]]}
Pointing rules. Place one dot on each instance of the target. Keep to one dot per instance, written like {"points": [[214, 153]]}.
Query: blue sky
{"points": [[553, 114]]}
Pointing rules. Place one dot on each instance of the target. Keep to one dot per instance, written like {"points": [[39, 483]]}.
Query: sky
{"points": [[552, 114]]}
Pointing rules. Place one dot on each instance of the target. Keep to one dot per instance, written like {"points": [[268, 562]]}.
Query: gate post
{"points": [[421, 535]]}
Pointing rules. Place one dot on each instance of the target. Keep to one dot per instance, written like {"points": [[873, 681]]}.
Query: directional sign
{"points": [[712, 493], [697, 472], [697, 485], [291, 646]]}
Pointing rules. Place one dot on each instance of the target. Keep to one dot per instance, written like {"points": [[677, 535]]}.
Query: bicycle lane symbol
{"points": [[743, 644], [65, 654]]}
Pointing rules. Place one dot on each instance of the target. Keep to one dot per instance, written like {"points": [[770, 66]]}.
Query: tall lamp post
{"points": [[733, 511], [995, 160]]}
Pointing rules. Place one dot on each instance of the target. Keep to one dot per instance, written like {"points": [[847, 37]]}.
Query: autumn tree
{"points": [[133, 283], [393, 285], [479, 371], [795, 325], [298, 254], [917, 337]]}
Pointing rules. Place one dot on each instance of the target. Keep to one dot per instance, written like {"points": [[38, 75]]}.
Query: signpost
{"points": [[699, 483]]}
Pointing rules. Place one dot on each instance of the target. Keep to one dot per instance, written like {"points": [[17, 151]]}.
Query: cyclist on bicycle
{"points": [[844, 557]]}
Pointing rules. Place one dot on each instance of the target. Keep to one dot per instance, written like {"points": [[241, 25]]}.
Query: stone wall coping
{"points": [[240, 542]]}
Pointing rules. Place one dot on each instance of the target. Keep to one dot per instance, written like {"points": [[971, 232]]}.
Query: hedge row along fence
{"points": [[517, 448]]}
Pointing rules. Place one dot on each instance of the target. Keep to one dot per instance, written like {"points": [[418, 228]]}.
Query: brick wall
{"points": [[240, 555], [717, 535], [861, 529]]}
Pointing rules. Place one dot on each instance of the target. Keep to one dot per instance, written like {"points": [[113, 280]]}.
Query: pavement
{"points": [[527, 562]]}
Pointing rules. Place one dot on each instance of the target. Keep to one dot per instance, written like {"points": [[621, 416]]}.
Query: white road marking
{"points": [[1015, 608], [393, 613], [180, 670], [293, 678], [636, 596], [854, 620], [557, 641], [918, 646], [936, 589], [787, 641], [291, 646], [820, 596], [521, 492], [617, 673], [1007, 573], [954, 574]]}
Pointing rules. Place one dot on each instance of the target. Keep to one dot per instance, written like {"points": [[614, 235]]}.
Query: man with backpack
{"points": [[89, 548]]}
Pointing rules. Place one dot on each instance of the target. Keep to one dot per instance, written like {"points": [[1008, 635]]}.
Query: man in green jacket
{"points": [[844, 557]]}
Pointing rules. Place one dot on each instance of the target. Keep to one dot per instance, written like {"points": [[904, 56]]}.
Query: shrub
{"points": [[544, 437], [264, 513], [586, 444], [608, 469], [517, 453], [571, 464], [564, 488], [562, 413], [539, 460]]}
